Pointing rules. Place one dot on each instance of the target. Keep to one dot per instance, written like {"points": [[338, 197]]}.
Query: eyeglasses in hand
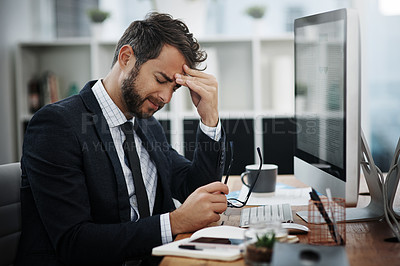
{"points": [[236, 203]]}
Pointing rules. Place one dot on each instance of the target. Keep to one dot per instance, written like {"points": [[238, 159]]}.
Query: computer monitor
{"points": [[328, 143]]}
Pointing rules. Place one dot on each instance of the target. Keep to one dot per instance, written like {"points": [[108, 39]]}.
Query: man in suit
{"points": [[80, 202]]}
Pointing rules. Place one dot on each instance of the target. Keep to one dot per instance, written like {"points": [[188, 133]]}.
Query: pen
{"points": [[203, 247], [330, 203], [191, 247], [317, 201]]}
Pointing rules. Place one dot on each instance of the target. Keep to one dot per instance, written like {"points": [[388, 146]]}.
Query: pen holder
{"points": [[327, 222]]}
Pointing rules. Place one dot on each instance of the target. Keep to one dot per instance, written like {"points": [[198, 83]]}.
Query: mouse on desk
{"points": [[294, 228]]}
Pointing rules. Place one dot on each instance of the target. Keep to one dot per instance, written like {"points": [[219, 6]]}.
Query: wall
{"points": [[384, 84], [15, 23], [380, 80]]}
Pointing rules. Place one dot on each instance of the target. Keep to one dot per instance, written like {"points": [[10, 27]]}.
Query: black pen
{"points": [[317, 201], [205, 246], [191, 247]]}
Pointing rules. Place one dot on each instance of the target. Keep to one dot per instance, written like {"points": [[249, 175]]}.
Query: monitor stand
{"points": [[375, 209], [392, 180]]}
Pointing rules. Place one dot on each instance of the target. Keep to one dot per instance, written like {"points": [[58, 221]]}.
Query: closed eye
{"points": [[162, 78], [161, 81]]}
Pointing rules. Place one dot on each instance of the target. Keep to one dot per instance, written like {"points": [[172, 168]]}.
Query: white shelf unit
{"points": [[255, 77]]}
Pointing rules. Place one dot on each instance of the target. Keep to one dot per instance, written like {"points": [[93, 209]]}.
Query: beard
{"points": [[133, 100]]}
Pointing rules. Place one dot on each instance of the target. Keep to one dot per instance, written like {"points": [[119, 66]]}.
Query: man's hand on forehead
{"points": [[203, 89]]}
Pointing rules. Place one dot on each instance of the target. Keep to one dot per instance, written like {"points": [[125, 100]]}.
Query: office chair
{"points": [[10, 212]]}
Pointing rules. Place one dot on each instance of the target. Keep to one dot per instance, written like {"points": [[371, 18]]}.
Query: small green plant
{"points": [[97, 16], [256, 11], [266, 240]]}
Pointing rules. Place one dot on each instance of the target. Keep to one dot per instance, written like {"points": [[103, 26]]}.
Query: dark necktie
{"points": [[134, 164]]}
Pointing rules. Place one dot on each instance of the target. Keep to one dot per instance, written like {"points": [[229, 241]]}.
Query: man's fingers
{"points": [[197, 88], [216, 187], [195, 76], [187, 80], [219, 207], [217, 197], [194, 72]]}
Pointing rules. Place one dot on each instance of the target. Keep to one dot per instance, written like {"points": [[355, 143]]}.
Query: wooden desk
{"points": [[365, 243]]}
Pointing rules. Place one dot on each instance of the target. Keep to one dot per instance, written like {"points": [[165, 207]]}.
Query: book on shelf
{"points": [[34, 99], [50, 87], [43, 89]]}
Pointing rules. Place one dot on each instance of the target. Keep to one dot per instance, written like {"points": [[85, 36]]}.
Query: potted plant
{"points": [[260, 251], [256, 12], [97, 16]]}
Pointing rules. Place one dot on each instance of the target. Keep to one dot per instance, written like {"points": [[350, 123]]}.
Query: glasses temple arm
{"points": [[228, 172], [258, 174]]}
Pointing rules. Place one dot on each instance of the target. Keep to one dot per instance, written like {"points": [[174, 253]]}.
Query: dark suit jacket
{"points": [[75, 206]]}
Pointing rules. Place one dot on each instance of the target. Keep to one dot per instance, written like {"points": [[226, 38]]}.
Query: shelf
{"points": [[57, 42], [233, 39]]}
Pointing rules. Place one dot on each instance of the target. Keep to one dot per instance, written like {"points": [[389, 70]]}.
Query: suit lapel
{"points": [[103, 132]]}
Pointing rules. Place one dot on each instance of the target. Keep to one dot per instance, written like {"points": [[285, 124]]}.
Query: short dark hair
{"points": [[147, 37]]}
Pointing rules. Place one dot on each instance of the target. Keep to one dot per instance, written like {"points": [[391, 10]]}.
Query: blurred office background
{"points": [[44, 20]]}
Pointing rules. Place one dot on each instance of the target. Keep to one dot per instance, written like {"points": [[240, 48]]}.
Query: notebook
{"points": [[223, 231]]}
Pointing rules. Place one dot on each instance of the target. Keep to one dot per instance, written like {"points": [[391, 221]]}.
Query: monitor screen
{"points": [[320, 98], [327, 103]]}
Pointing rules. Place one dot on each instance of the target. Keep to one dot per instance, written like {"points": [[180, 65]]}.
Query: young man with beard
{"points": [[80, 199]]}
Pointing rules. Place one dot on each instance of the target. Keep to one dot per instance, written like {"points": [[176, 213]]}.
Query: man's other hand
{"points": [[201, 208]]}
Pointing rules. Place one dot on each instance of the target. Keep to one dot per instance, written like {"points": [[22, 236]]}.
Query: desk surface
{"points": [[365, 241]]}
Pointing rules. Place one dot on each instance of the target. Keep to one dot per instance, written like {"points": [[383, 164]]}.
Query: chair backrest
{"points": [[10, 212]]}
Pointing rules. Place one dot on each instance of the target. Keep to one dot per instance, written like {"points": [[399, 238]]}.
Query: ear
{"points": [[126, 56]]}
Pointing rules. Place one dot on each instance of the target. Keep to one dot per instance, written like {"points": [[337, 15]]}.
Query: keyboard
{"points": [[265, 213]]}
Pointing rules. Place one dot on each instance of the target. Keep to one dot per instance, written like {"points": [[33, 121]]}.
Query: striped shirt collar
{"points": [[111, 112]]}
